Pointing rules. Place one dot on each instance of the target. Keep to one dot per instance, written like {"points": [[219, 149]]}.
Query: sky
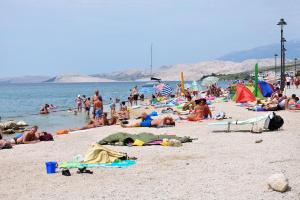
{"points": [[53, 37]]}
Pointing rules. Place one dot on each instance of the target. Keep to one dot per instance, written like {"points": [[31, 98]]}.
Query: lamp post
{"points": [[295, 66], [275, 55], [282, 23]]}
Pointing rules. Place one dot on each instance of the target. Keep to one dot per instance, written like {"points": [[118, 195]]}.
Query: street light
{"points": [[295, 66], [282, 23], [275, 55]]}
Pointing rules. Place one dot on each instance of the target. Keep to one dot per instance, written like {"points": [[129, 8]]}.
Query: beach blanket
{"points": [[116, 164], [121, 138], [97, 154]]}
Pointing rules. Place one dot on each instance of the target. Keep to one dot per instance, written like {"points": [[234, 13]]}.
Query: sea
{"points": [[23, 101]]}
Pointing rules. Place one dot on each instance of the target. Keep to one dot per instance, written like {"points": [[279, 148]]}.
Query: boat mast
{"points": [[151, 62]]}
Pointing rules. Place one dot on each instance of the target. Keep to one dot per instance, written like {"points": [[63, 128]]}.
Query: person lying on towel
{"points": [[29, 137], [147, 121]]}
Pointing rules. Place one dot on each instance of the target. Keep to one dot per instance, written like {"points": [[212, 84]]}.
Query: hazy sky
{"points": [[50, 37]]}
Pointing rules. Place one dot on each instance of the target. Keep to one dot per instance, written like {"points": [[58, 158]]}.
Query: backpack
{"points": [[273, 122]]}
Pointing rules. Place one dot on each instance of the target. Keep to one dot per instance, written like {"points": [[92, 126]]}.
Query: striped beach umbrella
{"points": [[166, 90]]}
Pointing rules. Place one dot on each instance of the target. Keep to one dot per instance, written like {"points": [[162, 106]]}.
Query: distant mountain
{"points": [[77, 79], [25, 79], [268, 51], [191, 71], [124, 75]]}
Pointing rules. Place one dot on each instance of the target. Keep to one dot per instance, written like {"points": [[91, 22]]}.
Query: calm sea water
{"points": [[23, 101]]}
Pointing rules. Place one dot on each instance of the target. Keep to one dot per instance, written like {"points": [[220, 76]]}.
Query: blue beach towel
{"points": [[118, 164]]}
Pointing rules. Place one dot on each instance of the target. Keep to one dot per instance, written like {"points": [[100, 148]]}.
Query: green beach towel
{"points": [[145, 137]]}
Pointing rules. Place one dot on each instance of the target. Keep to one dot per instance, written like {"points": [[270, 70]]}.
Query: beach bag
{"points": [[61, 132], [273, 122], [46, 137]]}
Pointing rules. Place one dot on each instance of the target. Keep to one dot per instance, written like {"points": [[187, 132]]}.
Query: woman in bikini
{"points": [[201, 111]]}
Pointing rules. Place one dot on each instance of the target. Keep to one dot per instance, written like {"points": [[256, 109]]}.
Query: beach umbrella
{"points": [[166, 90], [209, 81], [256, 80], [159, 87]]}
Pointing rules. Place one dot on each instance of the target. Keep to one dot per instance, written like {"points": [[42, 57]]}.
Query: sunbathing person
{"points": [[201, 111], [94, 123], [4, 144], [291, 103], [107, 122], [29, 137], [167, 121]]}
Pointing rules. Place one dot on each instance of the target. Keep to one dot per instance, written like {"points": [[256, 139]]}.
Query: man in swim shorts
{"points": [[168, 121], [29, 137], [98, 106]]}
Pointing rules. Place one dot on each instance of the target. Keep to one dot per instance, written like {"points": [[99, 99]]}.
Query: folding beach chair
{"points": [[252, 121]]}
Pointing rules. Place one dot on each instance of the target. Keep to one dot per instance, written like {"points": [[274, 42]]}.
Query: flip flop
{"points": [[66, 172], [84, 171]]}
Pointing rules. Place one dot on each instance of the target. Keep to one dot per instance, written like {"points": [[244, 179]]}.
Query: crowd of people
{"points": [[194, 104], [279, 101]]}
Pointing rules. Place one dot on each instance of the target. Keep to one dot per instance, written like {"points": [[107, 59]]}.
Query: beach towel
{"points": [[120, 137], [97, 154], [116, 164]]}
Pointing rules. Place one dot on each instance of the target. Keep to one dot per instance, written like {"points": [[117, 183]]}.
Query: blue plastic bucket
{"points": [[51, 167]]}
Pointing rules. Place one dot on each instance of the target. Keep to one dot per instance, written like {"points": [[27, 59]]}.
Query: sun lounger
{"points": [[251, 121]]}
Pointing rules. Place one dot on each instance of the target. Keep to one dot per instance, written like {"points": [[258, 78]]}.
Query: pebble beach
{"points": [[218, 165]]}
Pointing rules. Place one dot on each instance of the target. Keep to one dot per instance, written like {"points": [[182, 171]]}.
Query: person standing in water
{"points": [[78, 101], [87, 105], [95, 98], [135, 94], [98, 106]]}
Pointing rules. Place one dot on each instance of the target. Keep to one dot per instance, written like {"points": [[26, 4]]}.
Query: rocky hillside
{"points": [[168, 73], [191, 71]]}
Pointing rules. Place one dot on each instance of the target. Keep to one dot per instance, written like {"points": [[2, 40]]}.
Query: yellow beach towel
{"points": [[99, 154]]}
